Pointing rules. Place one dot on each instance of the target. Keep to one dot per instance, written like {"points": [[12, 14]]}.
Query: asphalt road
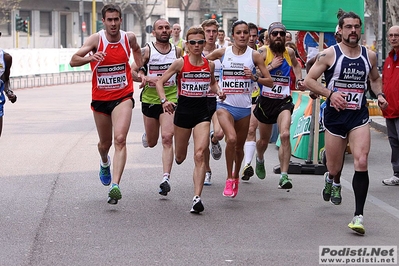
{"points": [[54, 209]]}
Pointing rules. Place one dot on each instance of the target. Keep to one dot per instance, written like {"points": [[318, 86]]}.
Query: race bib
{"points": [[280, 89], [195, 84], [354, 92], [235, 82]]}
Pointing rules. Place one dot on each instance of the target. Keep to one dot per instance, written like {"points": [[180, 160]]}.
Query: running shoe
{"points": [[235, 187], [336, 198], [285, 182], [105, 175], [216, 149], [229, 188], [197, 205], [260, 169], [164, 187], [114, 194], [326, 192], [247, 172], [208, 176], [357, 224], [322, 156], [144, 140], [393, 181]]}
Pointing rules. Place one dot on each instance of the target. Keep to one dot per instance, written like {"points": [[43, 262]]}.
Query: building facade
{"points": [[66, 24]]}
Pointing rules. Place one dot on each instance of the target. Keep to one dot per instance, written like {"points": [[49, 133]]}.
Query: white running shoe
{"points": [[144, 140], [208, 176], [357, 224], [197, 205], [393, 181]]}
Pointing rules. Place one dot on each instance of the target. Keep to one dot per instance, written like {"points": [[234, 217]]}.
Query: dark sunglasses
{"points": [[194, 42], [275, 33]]}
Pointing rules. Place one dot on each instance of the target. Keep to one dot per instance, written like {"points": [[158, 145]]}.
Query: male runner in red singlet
{"points": [[112, 91]]}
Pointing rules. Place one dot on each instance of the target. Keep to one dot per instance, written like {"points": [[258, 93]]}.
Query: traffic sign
{"points": [[310, 39], [148, 29], [84, 26]]}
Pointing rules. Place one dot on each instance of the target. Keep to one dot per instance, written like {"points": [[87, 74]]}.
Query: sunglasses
{"points": [[275, 33], [194, 42]]}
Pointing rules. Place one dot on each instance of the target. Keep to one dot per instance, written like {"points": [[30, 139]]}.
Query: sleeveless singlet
{"points": [[281, 77], [218, 68], [233, 82], [112, 77], [349, 75], [157, 64], [193, 85]]}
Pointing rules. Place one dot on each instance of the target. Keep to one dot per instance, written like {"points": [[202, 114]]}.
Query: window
{"points": [[45, 23], [174, 3], [5, 25], [87, 20]]}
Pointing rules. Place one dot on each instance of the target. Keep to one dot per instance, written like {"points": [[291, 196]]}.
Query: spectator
{"points": [[390, 84]]}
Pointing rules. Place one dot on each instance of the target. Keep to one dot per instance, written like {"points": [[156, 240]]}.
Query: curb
{"points": [[379, 127]]}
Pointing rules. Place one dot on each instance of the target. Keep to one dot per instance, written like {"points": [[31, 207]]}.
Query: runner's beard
{"points": [[160, 40], [277, 48]]}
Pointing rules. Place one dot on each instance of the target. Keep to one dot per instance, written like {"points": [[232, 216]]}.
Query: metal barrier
{"points": [[50, 79]]}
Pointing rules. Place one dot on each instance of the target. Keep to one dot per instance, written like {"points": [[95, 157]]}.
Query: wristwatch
{"points": [[163, 100], [381, 93]]}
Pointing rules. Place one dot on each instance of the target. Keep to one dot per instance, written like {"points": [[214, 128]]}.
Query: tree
{"points": [[186, 6], [139, 8], [372, 8], [392, 13], [6, 6]]}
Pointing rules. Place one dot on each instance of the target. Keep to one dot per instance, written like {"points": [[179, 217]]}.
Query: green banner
{"points": [[301, 119], [317, 15]]}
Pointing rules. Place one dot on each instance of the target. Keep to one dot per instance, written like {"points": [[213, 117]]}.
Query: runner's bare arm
{"points": [[90, 45]]}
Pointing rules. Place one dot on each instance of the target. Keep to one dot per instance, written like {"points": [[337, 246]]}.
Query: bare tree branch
{"points": [[139, 8]]}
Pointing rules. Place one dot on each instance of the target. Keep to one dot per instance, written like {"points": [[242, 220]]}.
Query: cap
{"points": [[276, 25]]}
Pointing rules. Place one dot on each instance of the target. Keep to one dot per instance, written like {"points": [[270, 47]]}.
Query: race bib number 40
{"points": [[280, 89]]}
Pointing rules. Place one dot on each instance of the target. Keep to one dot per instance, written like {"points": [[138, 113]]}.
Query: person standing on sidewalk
{"points": [[346, 67], [5, 67], [112, 92], [238, 74], [390, 87], [274, 104], [210, 27], [195, 75], [157, 57]]}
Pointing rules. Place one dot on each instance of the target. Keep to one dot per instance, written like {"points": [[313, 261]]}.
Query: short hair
{"points": [[209, 22], [195, 30], [221, 30], [252, 26], [155, 22], [111, 8]]}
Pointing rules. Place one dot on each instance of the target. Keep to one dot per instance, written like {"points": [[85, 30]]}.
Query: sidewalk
{"points": [[378, 122]]}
